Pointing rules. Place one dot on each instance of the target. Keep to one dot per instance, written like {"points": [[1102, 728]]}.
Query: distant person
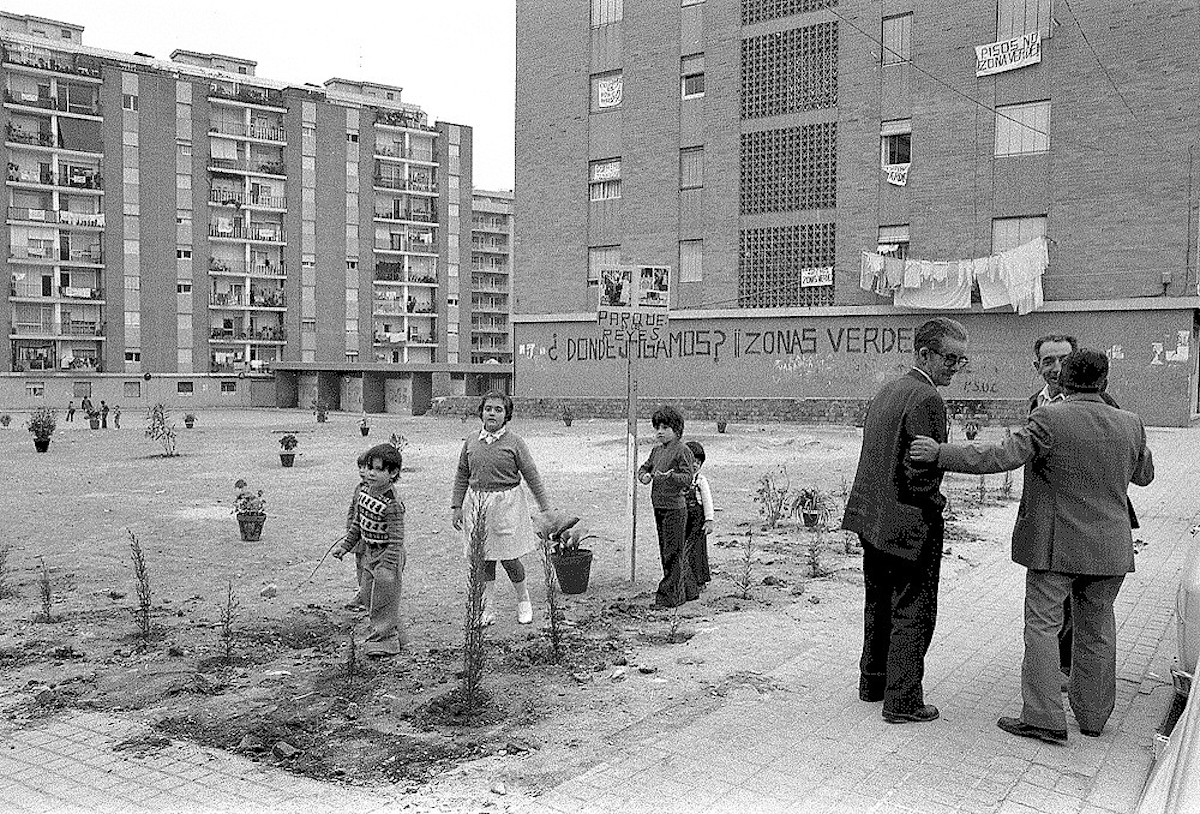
{"points": [[491, 467], [116, 413], [1072, 535], [87, 407], [671, 468], [70, 411], [895, 507], [103, 414], [699, 519], [379, 523]]}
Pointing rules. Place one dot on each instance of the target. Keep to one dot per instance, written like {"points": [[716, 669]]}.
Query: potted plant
{"points": [[363, 426], [722, 423], [971, 428], [320, 411], [288, 444], [93, 418], [572, 564], [249, 506], [5, 420], [42, 425], [567, 415], [189, 420], [811, 505]]}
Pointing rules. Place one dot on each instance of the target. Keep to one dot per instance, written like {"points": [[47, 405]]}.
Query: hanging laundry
{"points": [[1022, 270], [993, 290], [951, 291], [893, 272], [872, 270]]}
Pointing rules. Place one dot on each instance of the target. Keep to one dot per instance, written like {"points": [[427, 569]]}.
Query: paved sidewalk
{"points": [[795, 739]]}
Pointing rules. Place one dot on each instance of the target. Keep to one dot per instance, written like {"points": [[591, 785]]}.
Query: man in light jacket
{"points": [[1072, 534]]}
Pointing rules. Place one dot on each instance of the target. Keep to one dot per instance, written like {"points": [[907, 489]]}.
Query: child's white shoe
{"points": [[488, 618], [524, 612]]}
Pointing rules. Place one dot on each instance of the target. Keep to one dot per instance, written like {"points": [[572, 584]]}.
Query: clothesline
{"points": [[1013, 278]]}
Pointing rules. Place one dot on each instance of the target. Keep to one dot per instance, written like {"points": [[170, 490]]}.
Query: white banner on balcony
{"points": [[76, 291], [897, 174], [1008, 55]]}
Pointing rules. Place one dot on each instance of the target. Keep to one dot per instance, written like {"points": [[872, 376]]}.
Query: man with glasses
{"points": [[895, 507], [1072, 535]]}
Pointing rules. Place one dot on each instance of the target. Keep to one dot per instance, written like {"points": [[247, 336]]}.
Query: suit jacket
{"points": [[894, 502], [1074, 516]]}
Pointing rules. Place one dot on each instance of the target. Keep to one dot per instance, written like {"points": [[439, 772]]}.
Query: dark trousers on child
{"points": [[899, 618], [678, 583], [697, 542]]}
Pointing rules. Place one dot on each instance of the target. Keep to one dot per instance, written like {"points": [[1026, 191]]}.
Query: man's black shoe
{"points": [[870, 696], [919, 715], [1015, 726], [1091, 733]]}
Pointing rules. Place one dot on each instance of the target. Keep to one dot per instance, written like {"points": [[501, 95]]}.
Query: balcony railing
{"points": [[402, 118], [75, 327], [266, 234], [57, 216], [411, 155], [59, 63], [247, 93], [241, 165], [18, 136], [258, 131], [230, 197], [74, 178], [408, 184], [408, 246], [267, 334], [56, 103], [409, 215]]}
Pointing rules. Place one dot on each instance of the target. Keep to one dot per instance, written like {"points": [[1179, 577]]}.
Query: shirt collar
{"points": [[1044, 397], [928, 378], [488, 437]]}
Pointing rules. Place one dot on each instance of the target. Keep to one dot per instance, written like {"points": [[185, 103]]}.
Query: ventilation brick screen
{"points": [[789, 169], [790, 71], [757, 11], [770, 261]]}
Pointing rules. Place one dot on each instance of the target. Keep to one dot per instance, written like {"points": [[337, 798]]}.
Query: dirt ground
{"points": [[292, 692]]}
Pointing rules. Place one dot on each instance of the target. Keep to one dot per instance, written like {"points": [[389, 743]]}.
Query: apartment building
{"points": [[491, 277], [759, 147], [244, 239]]}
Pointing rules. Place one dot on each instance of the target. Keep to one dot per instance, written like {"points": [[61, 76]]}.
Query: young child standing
{"points": [[117, 416], [699, 519], [670, 468], [379, 521]]}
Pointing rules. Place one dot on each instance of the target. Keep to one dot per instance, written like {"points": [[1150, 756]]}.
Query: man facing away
{"points": [[1072, 535], [895, 507]]}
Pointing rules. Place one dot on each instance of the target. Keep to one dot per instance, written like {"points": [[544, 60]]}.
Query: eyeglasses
{"points": [[950, 361]]}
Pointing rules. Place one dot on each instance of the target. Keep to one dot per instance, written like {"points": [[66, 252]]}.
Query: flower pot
{"points": [[810, 518], [568, 421], [971, 434], [94, 423], [721, 426], [189, 424], [287, 458], [365, 431], [251, 526], [41, 444], [321, 417], [573, 570]]}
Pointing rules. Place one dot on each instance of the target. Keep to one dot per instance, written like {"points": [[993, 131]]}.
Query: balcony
{"points": [[271, 333], [489, 327], [405, 184], [253, 131], [250, 167], [55, 104], [71, 177], [407, 247], [386, 151], [79, 220], [253, 233], [406, 215], [258, 299], [15, 135], [92, 256], [246, 94], [75, 327], [55, 63], [228, 197], [402, 118]]}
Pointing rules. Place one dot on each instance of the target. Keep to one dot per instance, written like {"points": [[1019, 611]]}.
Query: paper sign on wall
{"points": [[608, 92], [897, 174]]}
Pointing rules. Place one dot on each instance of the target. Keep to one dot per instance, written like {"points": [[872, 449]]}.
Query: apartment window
{"points": [[183, 288], [607, 92], [691, 261], [893, 241], [790, 71], [1017, 17], [604, 179], [228, 387], [133, 356], [35, 389], [686, 3], [185, 149], [129, 101], [182, 254], [692, 72], [598, 257], [605, 12], [308, 325], [66, 35], [351, 265], [132, 390], [897, 39], [185, 388], [1008, 233], [895, 141], [352, 137], [691, 168], [1023, 129]]}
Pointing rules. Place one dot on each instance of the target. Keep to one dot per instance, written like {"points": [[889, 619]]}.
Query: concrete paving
{"points": [[795, 740]]}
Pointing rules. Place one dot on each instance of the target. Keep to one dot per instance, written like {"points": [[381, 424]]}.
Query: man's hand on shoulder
{"points": [[923, 450]]}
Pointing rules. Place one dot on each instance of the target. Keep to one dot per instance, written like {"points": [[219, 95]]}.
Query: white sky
{"points": [[454, 58]]}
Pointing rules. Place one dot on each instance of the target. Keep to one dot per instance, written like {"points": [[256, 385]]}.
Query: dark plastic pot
{"points": [[287, 458], [721, 426], [573, 570], [41, 444], [251, 526], [365, 431], [95, 423], [189, 424]]}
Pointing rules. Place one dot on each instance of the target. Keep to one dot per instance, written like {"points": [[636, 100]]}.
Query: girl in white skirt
{"points": [[490, 470]]}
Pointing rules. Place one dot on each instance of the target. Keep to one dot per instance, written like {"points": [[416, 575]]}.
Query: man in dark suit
{"points": [[896, 510], [1072, 534]]}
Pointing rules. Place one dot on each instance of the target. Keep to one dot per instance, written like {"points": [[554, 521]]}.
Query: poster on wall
{"points": [[1008, 55], [635, 299], [812, 277], [608, 92]]}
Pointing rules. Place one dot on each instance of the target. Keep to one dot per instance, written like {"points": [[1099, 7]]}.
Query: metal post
{"points": [[631, 463]]}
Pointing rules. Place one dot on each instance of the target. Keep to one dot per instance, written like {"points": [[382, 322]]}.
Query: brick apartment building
{"points": [[239, 239], [745, 142], [491, 278]]}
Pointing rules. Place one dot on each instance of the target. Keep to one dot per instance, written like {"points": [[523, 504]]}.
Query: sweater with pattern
{"points": [[496, 467], [670, 491]]}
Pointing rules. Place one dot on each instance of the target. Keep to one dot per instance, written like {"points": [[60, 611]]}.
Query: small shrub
{"points": [[141, 613], [228, 614], [472, 696], [351, 660], [46, 593], [982, 489], [42, 423], [288, 442], [6, 588], [159, 428], [816, 544], [247, 501], [5, 420], [744, 581], [1006, 487], [771, 497]]}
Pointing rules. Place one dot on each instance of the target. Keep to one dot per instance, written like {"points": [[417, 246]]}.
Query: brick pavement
{"points": [[798, 740]]}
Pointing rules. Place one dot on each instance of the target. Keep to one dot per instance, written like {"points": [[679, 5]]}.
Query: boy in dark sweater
{"points": [[671, 468]]}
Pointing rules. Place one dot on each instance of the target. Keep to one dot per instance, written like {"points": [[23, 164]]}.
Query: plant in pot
{"points": [[93, 418], [5, 420], [189, 420], [812, 506], [363, 426], [567, 415], [250, 508], [42, 425], [320, 411], [287, 446], [722, 423], [562, 536]]}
